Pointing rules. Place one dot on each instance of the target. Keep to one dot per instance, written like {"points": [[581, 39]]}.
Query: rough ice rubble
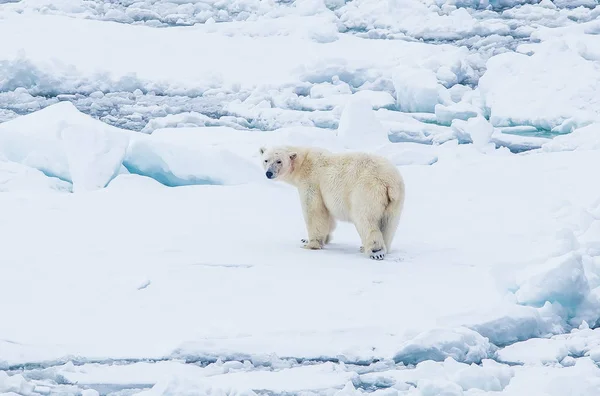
{"points": [[295, 57], [102, 93], [191, 119], [29, 84], [582, 378], [518, 143], [264, 116], [175, 165], [143, 112], [478, 24], [451, 378], [189, 387], [491, 378], [461, 344], [476, 130], [566, 283], [89, 153], [534, 351], [561, 349], [294, 379], [17, 177], [510, 323], [555, 89], [311, 378], [178, 13], [16, 384], [94, 156], [329, 95], [461, 111], [560, 280], [127, 102], [415, 127], [557, 294], [444, 375], [416, 90], [447, 73], [427, 379], [586, 138], [50, 139], [63, 143], [368, 14], [319, 104], [359, 128]]}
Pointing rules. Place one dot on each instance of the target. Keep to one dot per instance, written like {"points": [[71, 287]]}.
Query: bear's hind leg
{"points": [[368, 207], [372, 239], [389, 225]]}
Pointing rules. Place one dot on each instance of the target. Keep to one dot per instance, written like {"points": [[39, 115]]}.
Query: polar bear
{"points": [[364, 189]]}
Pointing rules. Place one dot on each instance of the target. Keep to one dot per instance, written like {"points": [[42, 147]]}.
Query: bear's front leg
{"points": [[316, 217], [327, 239], [313, 245]]}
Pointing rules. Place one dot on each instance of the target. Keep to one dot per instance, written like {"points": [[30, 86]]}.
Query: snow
{"points": [[94, 156], [177, 165], [53, 141], [461, 344], [476, 130], [359, 127], [16, 177], [163, 251], [460, 111], [586, 138], [560, 279], [557, 87], [416, 90], [144, 252], [508, 323], [536, 350], [447, 376], [15, 383]]}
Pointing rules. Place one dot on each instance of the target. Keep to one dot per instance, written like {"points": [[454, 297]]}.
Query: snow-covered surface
{"points": [[64, 143], [144, 252]]}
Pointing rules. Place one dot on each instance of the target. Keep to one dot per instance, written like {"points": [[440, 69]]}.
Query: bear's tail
{"points": [[393, 210], [395, 193]]}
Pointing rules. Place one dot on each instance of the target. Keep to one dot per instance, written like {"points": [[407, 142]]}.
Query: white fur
{"points": [[364, 189]]}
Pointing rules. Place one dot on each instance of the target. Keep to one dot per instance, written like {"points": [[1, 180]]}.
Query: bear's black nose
{"points": [[269, 174]]}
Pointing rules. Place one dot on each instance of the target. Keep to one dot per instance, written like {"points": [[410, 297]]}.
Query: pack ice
{"points": [[145, 253]]}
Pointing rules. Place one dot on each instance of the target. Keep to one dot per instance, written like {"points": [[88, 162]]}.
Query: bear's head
{"points": [[277, 162]]}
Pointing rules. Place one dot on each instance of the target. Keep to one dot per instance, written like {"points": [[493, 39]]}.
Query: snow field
{"points": [[171, 281], [145, 253]]}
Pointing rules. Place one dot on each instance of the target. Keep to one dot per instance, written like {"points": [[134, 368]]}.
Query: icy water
{"points": [[142, 105], [146, 111], [530, 131]]}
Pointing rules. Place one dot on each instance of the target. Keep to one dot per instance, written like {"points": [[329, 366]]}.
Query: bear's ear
{"points": [[293, 156], [262, 150]]}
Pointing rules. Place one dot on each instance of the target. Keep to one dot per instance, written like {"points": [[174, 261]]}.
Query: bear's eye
{"points": [[266, 161], [279, 161]]}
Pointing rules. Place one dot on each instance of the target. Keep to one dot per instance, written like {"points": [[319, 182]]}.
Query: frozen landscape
{"points": [[145, 253]]}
